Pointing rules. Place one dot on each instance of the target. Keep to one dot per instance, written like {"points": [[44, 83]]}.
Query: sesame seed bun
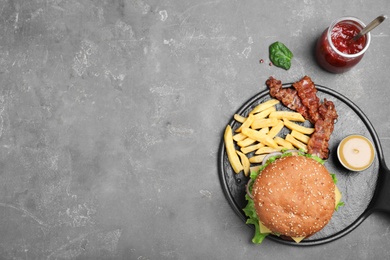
{"points": [[294, 196]]}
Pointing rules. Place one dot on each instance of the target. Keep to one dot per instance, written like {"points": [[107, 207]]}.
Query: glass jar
{"points": [[335, 51]]}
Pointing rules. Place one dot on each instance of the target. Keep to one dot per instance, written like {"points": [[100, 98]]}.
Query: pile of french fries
{"points": [[260, 134]]}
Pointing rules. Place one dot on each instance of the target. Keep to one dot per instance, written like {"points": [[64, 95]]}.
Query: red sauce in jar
{"points": [[336, 51], [342, 35]]}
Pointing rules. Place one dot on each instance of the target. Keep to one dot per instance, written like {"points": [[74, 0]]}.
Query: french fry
{"points": [[296, 143], [266, 149], [257, 158], [267, 140], [299, 128], [276, 129], [251, 148], [245, 162], [260, 137], [239, 118], [264, 130], [239, 137], [280, 141], [265, 122], [231, 151], [247, 141], [246, 123], [264, 106], [265, 113], [293, 116], [300, 137]]}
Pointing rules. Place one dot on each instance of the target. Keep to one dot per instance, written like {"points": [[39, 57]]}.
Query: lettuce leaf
{"points": [[250, 210], [254, 220], [340, 204], [334, 178]]}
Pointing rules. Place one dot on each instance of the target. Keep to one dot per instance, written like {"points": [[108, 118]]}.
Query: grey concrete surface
{"points": [[112, 112]]}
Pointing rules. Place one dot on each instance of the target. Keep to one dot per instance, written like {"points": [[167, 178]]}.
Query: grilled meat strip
{"points": [[307, 92], [303, 99], [318, 142], [288, 96]]}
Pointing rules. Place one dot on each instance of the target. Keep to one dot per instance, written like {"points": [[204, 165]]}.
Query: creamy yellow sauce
{"points": [[356, 152]]}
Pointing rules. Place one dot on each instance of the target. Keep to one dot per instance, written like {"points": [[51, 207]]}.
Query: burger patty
{"points": [[294, 196]]}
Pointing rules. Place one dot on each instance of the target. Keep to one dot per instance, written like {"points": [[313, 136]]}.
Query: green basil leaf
{"points": [[280, 55]]}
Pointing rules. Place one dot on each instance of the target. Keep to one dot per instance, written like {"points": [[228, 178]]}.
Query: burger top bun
{"points": [[294, 196]]}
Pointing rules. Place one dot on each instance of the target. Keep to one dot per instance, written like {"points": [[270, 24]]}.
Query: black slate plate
{"points": [[363, 192]]}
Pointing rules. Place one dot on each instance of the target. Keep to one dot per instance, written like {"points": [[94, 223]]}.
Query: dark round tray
{"points": [[362, 192]]}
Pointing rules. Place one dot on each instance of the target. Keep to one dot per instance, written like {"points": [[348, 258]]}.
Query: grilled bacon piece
{"points": [[303, 99], [318, 142], [307, 92], [288, 96]]}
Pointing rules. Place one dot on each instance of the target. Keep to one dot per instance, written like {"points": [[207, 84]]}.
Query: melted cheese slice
{"points": [[337, 196], [265, 230], [297, 239]]}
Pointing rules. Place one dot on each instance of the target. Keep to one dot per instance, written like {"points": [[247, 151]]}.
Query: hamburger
{"points": [[292, 195]]}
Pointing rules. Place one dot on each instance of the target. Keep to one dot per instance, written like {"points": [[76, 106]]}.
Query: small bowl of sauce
{"points": [[356, 152]]}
